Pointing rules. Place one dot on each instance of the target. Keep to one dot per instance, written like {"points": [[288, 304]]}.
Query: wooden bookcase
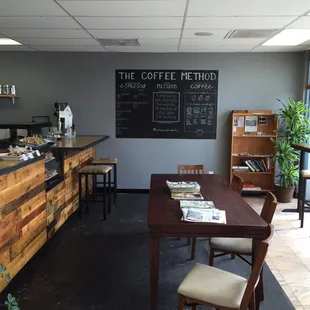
{"points": [[253, 145]]}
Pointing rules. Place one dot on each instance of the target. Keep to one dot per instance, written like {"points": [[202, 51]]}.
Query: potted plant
{"points": [[294, 127]]}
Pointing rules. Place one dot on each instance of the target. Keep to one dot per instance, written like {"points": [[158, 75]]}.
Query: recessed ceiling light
{"points": [[203, 34], [7, 41], [289, 37]]}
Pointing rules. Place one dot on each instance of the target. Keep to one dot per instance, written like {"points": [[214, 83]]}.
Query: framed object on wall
{"points": [[180, 104]]}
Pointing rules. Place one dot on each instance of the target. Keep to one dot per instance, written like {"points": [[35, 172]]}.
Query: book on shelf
{"points": [[249, 164], [251, 187], [188, 196], [240, 168], [257, 165], [202, 211]]}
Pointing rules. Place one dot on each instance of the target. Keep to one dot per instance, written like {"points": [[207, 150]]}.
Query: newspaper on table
{"points": [[183, 187], [202, 211]]}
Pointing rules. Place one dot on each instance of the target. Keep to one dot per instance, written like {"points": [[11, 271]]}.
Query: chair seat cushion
{"points": [[104, 161], [238, 245], [213, 286], [95, 169]]}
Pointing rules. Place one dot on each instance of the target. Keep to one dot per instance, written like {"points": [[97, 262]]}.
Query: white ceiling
{"points": [[159, 25]]}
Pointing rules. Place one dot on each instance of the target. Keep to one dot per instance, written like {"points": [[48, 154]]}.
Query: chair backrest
{"points": [[269, 208], [237, 184], [256, 270], [190, 169]]}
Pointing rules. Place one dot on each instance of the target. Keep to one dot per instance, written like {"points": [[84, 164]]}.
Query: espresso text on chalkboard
{"points": [[176, 104]]}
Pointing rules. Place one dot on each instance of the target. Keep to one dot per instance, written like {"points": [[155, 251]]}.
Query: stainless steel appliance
{"points": [[64, 117]]}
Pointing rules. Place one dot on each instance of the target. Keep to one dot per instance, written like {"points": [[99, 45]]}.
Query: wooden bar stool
{"points": [[305, 175], [111, 162], [95, 171]]}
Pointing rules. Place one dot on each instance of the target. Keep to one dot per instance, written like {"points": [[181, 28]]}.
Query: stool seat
{"points": [[104, 161], [305, 174], [95, 169]]}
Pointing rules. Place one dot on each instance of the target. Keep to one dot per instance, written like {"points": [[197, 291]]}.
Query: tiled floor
{"points": [[289, 254]]}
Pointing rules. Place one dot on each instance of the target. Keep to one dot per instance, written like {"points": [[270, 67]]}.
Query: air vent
{"points": [[119, 42], [250, 33]]}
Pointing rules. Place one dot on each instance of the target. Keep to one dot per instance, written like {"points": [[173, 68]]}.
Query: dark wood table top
{"points": [[79, 142], [302, 147], [164, 214]]}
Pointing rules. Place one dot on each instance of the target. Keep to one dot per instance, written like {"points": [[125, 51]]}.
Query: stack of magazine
{"points": [[185, 190], [202, 211]]}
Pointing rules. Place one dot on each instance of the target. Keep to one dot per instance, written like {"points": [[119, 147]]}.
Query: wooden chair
{"points": [[191, 169], [241, 246], [213, 287], [237, 184]]}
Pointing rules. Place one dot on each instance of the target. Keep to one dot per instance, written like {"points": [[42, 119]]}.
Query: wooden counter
{"points": [[29, 214], [78, 143], [7, 166], [22, 216]]}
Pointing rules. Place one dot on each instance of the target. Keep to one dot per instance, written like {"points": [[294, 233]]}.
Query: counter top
{"points": [[78, 143], [7, 166], [302, 147]]}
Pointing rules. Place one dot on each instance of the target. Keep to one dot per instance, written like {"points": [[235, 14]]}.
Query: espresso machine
{"points": [[64, 117]]}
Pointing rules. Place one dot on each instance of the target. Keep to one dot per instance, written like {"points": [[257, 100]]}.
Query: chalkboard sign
{"points": [[166, 104]]}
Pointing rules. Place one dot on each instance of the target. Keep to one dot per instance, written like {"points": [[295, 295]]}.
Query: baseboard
{"points": [[127, 190], [133, 191]]}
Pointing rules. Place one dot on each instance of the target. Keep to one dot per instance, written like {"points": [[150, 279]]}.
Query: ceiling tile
{"points": [[298, 48], [38, 22], [45, 34], [72, 48], [136, 34], [217, 34], [131, 22], [20, 48], [274, 22], [301, 23], [159, 42], [217, 49], [125, 8], [218, 42], [30, 8], [150, 49], [244, 8], [60, 42]]}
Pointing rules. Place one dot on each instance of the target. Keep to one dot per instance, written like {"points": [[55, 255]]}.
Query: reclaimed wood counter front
{"points": [[22, 216], [29, 214]]}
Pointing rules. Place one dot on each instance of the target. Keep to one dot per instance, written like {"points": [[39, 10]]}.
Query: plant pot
{"points": [[284, 194]]}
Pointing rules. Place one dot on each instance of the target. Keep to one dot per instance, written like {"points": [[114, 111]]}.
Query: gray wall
{"points": [[86, 81]]}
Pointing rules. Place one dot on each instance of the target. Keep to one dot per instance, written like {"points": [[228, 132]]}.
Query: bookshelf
{"points": [[252, 149]]}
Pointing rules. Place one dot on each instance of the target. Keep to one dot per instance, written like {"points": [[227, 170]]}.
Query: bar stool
{"points": [[305, 175], [112, 162], [95, 171]]}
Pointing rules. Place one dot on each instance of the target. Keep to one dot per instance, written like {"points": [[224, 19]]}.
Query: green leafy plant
{"points": [[11, 303], [294, 127]]}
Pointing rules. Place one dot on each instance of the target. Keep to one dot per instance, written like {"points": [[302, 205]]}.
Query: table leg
{"points": [[154, 270], [259, 291]]}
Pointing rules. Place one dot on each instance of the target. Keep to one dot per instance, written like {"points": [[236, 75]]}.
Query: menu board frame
{"points": [[173, 104]]}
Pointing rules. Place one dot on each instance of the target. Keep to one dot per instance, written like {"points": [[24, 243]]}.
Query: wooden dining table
{"points": [[164, 219]]}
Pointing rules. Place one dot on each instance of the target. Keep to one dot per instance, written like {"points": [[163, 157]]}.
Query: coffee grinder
{"points": [[64, 117]]}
